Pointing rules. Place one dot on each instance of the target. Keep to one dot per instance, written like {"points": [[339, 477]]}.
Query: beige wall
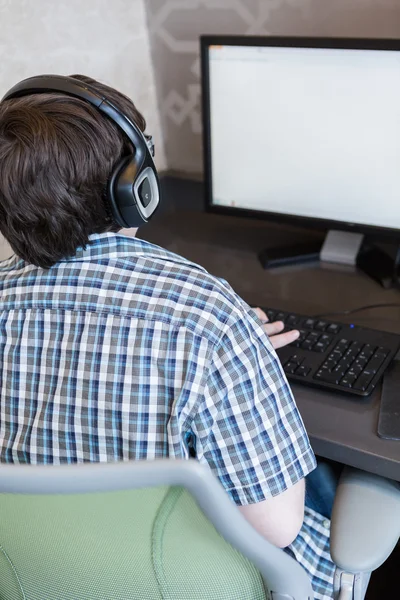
{"points": [[176, 24], [106, 39]]}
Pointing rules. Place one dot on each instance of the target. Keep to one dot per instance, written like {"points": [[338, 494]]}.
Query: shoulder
{"points": [[132, 278], [173, 289]]}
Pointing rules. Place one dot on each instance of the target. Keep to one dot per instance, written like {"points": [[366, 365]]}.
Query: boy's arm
{"points": [[279, 518], [251, 435]]}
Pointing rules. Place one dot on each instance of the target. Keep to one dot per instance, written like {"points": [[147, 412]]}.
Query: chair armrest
{"points": [[365, 521]]}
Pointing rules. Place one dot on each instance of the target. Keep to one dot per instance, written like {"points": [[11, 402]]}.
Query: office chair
{"points": [[143, 530], [365, 529], [140, 530]]}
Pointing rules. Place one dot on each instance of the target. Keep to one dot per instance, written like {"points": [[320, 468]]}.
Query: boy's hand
{"points": [[273, 330]]}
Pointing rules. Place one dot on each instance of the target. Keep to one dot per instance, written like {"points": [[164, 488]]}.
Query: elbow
{"points": [[279, 532], [287, 532], [279, 518], [287, 536]]}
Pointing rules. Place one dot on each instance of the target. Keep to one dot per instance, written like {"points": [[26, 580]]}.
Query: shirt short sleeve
{"points": [[248, 428]]}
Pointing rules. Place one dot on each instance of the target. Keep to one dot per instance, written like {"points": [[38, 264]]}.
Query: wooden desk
{"points": [[340, 428]]}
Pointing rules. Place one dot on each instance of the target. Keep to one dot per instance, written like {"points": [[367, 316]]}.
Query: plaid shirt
{"points": [[127, 351]]}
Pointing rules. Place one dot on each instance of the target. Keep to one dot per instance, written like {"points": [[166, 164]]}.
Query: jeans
{"points": [[321, 487]]}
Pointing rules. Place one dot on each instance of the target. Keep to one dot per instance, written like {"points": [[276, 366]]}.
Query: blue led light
{"points": [[352, 326]]}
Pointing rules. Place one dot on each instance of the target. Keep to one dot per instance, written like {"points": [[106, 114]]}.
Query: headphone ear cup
{"points": [[120, 191], [133, 192]]}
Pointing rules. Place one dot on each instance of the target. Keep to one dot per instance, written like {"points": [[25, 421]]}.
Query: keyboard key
{"points": [[356, 346], [326, 367], [326, 338], [335, 355], [339, 370], [296, 358], [292, 320], [356, 368], [365, 354], [314, 336], [309, 323], [280, 316], [303, 371], [270, 314], [381, 356], [351, 354], [363, 381], [290, 367], [321, 325], [330, 363], [307, 344], [343, 344], [320, 347], [346, 383], [375, 363], [348, 380], [327, 377], [333, 328], [360, 362], [368, 348], [340, 348], [381, 350], [344, 364]]}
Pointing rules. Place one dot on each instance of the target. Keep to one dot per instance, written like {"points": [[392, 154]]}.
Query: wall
{"points": [[176, 24], [106, 39]]}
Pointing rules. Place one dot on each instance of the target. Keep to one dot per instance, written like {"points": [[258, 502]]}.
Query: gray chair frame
{"points": [[283, 576], [365, 522], [365, 529]]}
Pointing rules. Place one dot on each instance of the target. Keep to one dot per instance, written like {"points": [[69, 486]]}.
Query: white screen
{"points": [[307, 131]]}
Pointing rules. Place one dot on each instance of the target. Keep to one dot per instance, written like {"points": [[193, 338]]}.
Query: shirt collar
{"points": [[114, 245], [106, 246]]}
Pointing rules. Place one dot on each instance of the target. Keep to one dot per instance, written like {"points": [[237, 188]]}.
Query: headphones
{"points": [[133, 188]]}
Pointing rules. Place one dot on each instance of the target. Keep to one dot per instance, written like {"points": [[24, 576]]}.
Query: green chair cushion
{"points": [[146, 544]]}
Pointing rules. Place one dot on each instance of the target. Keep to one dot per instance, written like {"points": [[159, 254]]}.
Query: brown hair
{"points": [[56, 154]]}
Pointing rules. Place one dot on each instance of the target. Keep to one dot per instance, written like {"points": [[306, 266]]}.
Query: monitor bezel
{"points": [[283, 42]]}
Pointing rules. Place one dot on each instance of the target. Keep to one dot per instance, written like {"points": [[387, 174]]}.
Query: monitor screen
{"points": [[304, 131]]}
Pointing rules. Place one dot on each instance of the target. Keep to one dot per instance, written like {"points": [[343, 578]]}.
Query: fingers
{"points": [[284, 339], [274, 331], [261, 314], [274, 328]]}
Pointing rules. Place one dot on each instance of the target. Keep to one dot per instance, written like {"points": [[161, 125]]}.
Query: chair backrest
{"points": [[133, 531]]}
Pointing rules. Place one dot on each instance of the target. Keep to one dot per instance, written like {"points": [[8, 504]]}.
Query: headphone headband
{"points": [[134, 188], [74, 87]]}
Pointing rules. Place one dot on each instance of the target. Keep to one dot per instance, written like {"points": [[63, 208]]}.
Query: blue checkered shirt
{"points": [[126, 351]]}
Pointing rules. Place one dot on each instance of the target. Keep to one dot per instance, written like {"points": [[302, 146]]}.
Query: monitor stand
{"points": [[339, 247]]}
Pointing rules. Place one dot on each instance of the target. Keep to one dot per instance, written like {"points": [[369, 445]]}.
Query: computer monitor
{"points": [[304, 130]]}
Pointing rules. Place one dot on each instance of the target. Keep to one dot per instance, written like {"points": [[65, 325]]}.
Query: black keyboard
{"points": [[333, 355]]}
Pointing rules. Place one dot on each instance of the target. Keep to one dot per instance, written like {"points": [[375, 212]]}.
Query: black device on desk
{"points": [[307, 131], [335, 355], [389, 412]]}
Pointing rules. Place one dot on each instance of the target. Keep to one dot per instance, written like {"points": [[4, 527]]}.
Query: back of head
{"points": [[56, 155]]}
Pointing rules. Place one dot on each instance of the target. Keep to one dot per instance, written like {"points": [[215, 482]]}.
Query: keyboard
{"points": [[333, 355]]}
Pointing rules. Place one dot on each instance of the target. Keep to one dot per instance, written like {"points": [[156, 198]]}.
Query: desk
{"points": [[340, 428]]}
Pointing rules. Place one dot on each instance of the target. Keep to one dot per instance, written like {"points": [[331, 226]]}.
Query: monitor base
{"points": [[287, 256], [341, 247]]}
